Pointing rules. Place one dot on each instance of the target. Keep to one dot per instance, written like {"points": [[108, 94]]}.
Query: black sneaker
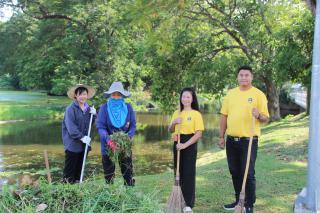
{"points": [[248, 210], [230, 207]]}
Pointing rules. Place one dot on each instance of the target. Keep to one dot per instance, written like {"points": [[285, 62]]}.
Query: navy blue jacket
{"points": [[75, 125], [105, 127]]}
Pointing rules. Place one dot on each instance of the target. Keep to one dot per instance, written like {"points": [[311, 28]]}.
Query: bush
{"points": [[60, 86], [6, 81], [284, 96]]}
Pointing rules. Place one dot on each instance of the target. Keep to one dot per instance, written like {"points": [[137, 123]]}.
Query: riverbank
{"points": [[28, 105], [36, 105], [280, 173]]}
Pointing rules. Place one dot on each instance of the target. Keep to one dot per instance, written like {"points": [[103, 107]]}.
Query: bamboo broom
{"points": [[176, 201]]}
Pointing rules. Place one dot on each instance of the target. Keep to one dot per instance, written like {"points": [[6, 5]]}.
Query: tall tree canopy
{"points": [[161, 45]]}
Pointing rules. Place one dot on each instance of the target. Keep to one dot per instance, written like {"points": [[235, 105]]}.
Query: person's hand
{"points": [[181, 146], [177, 121], [255, 113], [86, 140], [93, 110], [221, 143]]}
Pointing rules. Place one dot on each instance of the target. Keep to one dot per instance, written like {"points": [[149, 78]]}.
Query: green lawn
{"points": [[280, 166], [280, 172], [26, 105]]}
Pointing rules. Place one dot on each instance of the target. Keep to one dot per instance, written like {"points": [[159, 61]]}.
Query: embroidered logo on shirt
{"points": [[188, 118], [250, 100]]}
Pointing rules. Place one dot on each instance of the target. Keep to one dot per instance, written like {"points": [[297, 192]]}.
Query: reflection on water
{"points": [[22, 145]]}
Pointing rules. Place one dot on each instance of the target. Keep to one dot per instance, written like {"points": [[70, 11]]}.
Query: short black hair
{"points": [[194, 104], [245, 67], [80, 90]]}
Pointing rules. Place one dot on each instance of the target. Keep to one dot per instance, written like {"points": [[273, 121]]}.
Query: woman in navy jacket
{"points": [[75, 129], [116, 115]]}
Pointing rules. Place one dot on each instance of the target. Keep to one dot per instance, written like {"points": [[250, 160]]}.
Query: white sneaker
{"points": [[187, 209]]}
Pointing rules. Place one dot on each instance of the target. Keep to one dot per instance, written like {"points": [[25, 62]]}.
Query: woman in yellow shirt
{"points": [[191, 127]]}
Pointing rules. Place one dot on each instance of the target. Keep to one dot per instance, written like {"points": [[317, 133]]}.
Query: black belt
{"points": [[241, 138]]}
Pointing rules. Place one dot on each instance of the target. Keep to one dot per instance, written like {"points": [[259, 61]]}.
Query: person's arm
{"points": [[223, 128], [101, 124], [262, 118], [132, 127], [176, 119], [192, 140], [71, 125], [261, 112], [174, 123]]}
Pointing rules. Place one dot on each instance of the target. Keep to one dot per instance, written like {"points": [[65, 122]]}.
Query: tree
{"points": [[72, 41], [245, 32]]}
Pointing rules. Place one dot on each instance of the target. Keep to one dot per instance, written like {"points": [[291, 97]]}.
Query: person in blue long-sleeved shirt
{"points": [[75, 126], [116, 115]]}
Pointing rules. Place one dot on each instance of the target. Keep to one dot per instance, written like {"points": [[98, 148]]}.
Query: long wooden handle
{"points": [[47, 166], [178, 151], [240, 207]]}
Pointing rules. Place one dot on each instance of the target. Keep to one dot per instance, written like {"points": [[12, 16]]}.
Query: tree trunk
{"points": [[273, 100]]}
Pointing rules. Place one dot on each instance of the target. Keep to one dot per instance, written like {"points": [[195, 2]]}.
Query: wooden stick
{"points": [[178, 151], [240, 207], [47, 166]]}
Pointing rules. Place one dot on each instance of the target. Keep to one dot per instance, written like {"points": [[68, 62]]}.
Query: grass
{"points": [[93, 196], [280, 171], [280, 174], [21, 105]]}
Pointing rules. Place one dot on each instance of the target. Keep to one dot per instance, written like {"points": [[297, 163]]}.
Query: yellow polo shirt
{"points": [[237, 106], [191, 121]]}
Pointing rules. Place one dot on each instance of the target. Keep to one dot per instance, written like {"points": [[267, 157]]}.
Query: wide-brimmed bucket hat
{"points": [[72, 90], [117, 87]]}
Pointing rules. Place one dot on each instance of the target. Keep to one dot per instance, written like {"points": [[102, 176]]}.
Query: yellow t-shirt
{"points": [[237, 106], [191, 121]]}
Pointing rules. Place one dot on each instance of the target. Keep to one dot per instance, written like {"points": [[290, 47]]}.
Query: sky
{"points": [[5, 14]]}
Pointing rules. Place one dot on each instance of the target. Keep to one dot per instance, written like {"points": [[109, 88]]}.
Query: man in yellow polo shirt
{"points": [[239, 105]]}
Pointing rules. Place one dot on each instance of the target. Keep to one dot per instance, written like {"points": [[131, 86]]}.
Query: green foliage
{"points": [[119, 146], [204, 43], [284, 95], [6, 81], [91, 196], [159, 46]]}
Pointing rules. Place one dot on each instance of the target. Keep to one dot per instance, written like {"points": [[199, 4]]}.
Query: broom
{"points": [[176, 201], [240, 206]]}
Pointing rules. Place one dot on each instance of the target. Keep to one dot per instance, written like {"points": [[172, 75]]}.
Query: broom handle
{"points": [[47, 166], [85, 151], [178, 151], [248, 160]]}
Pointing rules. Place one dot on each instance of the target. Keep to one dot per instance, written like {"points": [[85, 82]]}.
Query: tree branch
{"points": [[222, 49], [231, 33], [261, 11]]}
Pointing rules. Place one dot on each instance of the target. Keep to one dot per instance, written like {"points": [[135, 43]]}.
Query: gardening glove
{"points": [[93, 110], [86, 140]]}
